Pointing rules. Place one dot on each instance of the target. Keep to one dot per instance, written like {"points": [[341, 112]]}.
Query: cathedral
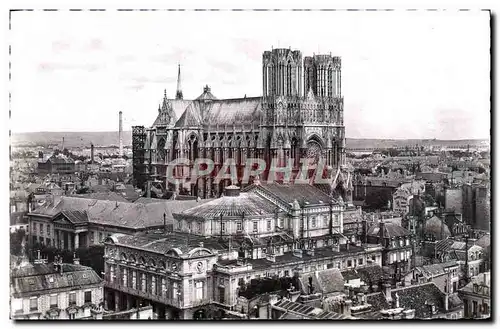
{"points": [[299, 115]]}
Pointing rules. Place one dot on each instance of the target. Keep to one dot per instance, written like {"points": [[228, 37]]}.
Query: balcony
{"points": [[200, 302], [175, 302]]}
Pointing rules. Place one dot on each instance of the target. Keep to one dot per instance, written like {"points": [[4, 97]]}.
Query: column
{"points": [[117, 301], [129, 302], [77, 240]]}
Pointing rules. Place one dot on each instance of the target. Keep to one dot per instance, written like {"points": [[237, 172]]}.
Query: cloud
{"points": [[47, 67]]}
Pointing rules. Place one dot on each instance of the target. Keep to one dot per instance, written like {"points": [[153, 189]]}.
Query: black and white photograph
{"points": [[249, 165]]}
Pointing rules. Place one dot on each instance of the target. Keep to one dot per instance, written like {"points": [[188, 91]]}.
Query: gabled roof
{"points": [[304, 193], [121, 214], [39, 278], [325, 281], [390, 230], [109, 196], [302, 311]]}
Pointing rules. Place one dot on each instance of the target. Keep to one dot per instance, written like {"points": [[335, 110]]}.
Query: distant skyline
{"points": [[405, 75]]}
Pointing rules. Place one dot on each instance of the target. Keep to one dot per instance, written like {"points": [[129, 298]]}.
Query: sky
{"points": [[405, 75]]}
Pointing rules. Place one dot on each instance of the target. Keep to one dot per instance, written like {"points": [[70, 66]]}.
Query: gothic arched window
{"points": [[160, 150]]}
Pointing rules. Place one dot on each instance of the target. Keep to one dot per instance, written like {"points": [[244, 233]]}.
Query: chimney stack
{"points": [[76, 260], [92, 153], [120, 130]]}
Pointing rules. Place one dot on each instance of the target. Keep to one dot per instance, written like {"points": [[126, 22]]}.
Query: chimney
{"points": [[92, 153], [76, 260], [381, 228], [120, 132], [387, 291], [164, 223], [148, 190]]}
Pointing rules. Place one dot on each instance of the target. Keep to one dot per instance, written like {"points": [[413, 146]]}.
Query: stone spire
{"points": [[178, 94]]}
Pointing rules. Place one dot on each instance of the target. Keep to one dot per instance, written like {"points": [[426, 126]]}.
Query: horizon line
{"points": [[373, 138]]}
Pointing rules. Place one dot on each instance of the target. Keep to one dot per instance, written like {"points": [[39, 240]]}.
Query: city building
{"points": [[72, 222], [476, 297], [56, 164], [288, 121], [55, 291], [221, 244], [397, 243]]}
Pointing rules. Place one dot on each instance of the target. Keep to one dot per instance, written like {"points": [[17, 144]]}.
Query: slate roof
{"points": [[245, 204], [436, 227], [33, 279], [110, 196], [484, 241], [162, 243], [369, 274], [483, 279], [434, 270], [121, 214], [416, 297], [325, 281], [391, 230], [302, 311], [303, 193]]}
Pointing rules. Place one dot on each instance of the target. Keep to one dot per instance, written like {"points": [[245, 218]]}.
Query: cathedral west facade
{"points": [[299, 115]]}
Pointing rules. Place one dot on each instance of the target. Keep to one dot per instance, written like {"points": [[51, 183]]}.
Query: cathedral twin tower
{"points": [[282, 74]]}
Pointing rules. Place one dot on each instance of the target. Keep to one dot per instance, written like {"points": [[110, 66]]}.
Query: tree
{"points": [[16, 242]]}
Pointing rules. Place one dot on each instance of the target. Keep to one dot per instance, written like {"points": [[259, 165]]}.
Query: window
{"points": [[124, 277], [255, 226], [87, 297], [175, 291], [407, 241], [100, 237], [199, 290], [33, 304], [153, 285], [48, 230], [282, 222], [189, 227], [134, 279], [313, 222], [72, 298], [143, 282], [163, 287], [198, 227], [53, 300], [112, 273], [223, 226], [269, 225], [239, 226], [329, 266], [325, 221], [349, 263], [41, 229], [179, 225], [360, 261]]}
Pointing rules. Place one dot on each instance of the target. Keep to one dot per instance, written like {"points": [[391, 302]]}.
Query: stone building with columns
{"points": [[299, 115], [218, 246], [69, 222]]}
